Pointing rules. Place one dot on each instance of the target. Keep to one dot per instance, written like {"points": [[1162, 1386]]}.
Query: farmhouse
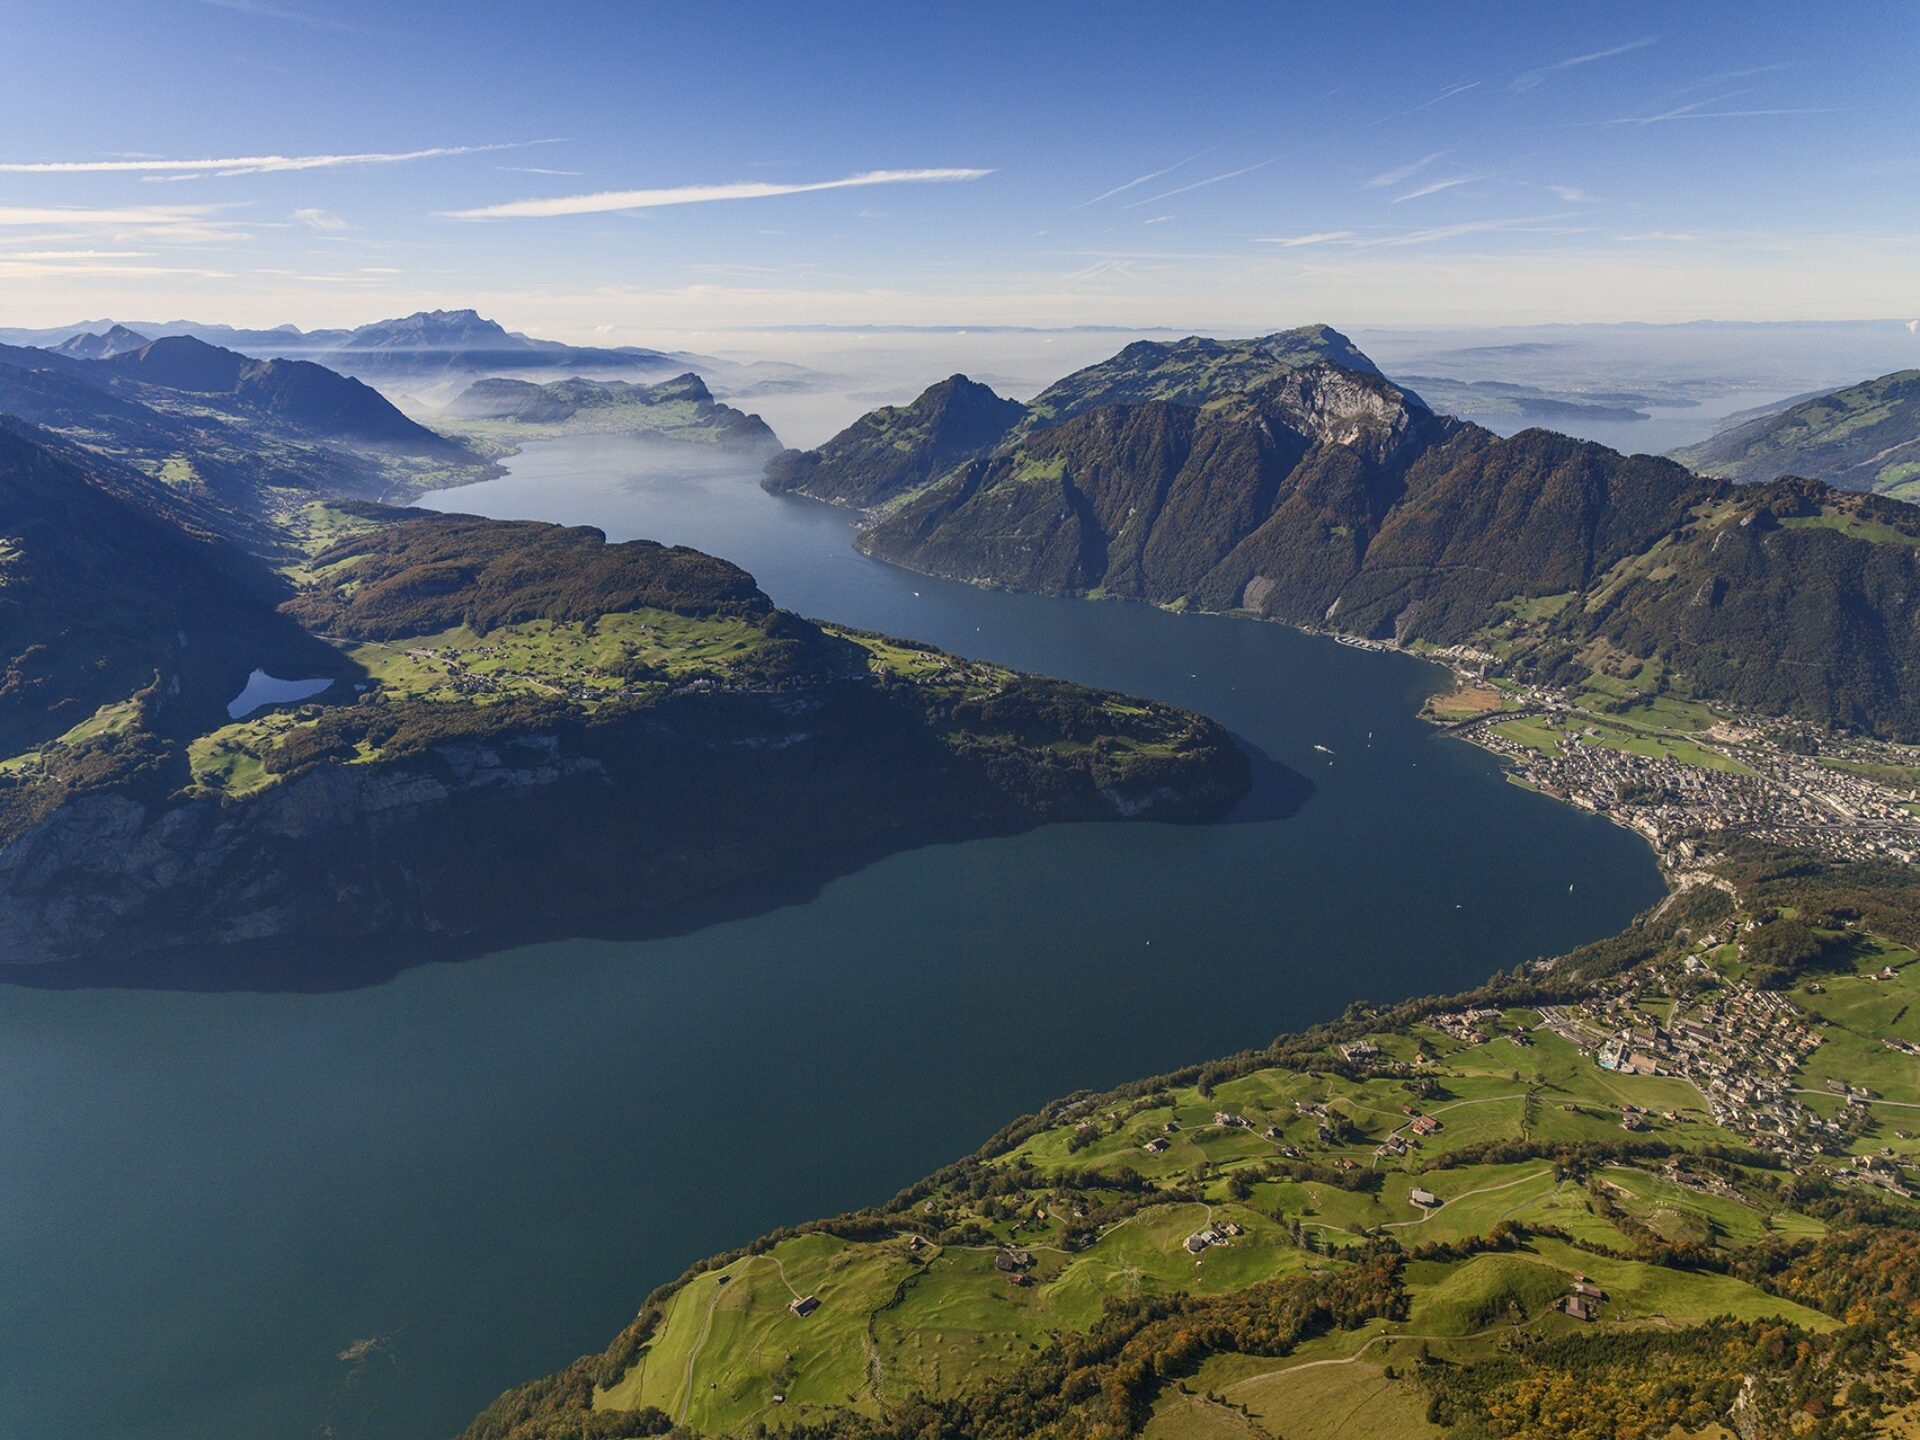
{"points": [[804, 1305]]}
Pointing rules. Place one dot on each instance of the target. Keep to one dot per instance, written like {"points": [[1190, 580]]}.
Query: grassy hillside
{"points": [[1863, 437], [1372, 1228]]}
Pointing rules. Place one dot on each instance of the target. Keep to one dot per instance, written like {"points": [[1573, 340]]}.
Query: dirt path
{"points": [[1466, 1195]]}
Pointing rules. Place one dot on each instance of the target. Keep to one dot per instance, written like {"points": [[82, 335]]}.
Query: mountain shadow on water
{"points": [[330, 964]]}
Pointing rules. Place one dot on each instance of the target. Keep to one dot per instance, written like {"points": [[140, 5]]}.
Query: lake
{"points": [[208, 1199]]}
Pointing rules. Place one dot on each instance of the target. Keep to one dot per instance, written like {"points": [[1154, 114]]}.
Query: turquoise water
{"points": [[206, 1198]]}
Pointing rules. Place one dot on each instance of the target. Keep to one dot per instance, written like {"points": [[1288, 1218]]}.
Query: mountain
{"points": [[1194, 371], [434, 345], [117, 340], [1261, 477], [432, 353], [506, 725], [681, 409], [117, 608], [1864, 437], [893, 450], [248, 437], [295, 393]]}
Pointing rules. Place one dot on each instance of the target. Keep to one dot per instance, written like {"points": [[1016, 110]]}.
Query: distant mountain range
{"points": [[428, 352], [1860, 437], [1286, 477], [243, 438]]}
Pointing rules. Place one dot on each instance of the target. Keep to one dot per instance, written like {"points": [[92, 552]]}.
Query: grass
{"points": [[942, 1319], [110, 719], [1852, 526]]}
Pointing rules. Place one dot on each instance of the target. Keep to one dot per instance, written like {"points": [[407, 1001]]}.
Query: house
{"points": [[1425, 1125], [1229, 1119], [1010, 1260], [1580, 1308], [1588, 1291], [1425, 1199], [1019, 1277], [1155, 1145], [1195, 1244], [1359, 1049], [804, 1305]]}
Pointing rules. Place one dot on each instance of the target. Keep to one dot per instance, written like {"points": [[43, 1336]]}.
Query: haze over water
{"points": [[208, 1197]]}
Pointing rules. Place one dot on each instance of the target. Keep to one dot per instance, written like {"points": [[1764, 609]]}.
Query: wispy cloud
{"points": [[16, 215], [1702, 110], [1436, 234], [611, 200], [536, 170], [44, 270], [1140, 180], [281, 10], [1533, 79], [1318, 237], [1402, 173], [1572, 194], [1202, 184], [76, 254], [1435, 187], [320, 219], [1446, 94], [1157, 220], [245, 164]]}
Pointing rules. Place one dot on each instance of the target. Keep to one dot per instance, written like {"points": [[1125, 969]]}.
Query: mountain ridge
{"points": [[1262, 477]]}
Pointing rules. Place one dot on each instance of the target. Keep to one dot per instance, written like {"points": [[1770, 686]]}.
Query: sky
{"points": [[626, 171]]}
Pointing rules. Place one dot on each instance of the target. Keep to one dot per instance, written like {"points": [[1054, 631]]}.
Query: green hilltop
{"points": [[1863, 437]]}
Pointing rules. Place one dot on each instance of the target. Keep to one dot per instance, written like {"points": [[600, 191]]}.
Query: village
{"points": [[1856, 800], [1741, 1049]]}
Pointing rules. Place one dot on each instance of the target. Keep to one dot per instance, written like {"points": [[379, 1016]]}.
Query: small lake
{"points": [[208, 1198], [262, 690]]}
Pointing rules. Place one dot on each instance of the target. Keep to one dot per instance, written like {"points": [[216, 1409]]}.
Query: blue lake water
{"points": [[205, 1198]]}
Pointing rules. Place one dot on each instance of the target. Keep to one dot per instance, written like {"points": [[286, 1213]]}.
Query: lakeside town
{"points": [[1842, 797]]}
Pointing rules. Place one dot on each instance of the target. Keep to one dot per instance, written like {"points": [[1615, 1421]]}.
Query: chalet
{"points": [[1580, 1308], [1155, 1145], [1019, 1277], [804, 1305], [1425, 1125], [1425, 1199], [1195, 1244], [1359, 1049], [1587, 1290], [1229, 1119], [1011, 1260]]}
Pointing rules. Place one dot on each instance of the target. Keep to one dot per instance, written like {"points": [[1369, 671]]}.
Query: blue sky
{"points": [[1216, 166]]}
